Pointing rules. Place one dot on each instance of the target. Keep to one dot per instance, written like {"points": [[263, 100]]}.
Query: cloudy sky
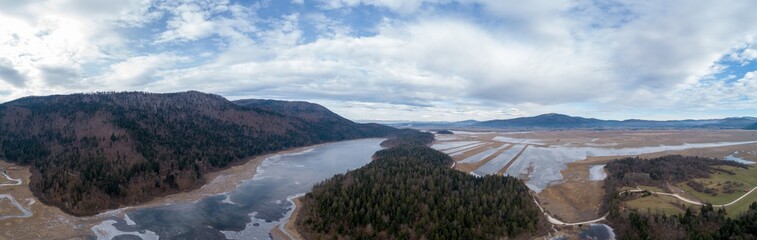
{"points": [[398, 59]]}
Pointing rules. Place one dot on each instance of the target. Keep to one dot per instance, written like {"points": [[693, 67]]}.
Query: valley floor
{"points": [[564, 168]]}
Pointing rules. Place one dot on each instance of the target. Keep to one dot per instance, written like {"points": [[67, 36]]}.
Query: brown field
{"points": [[55, 223], [7, 208], [577, 198]]}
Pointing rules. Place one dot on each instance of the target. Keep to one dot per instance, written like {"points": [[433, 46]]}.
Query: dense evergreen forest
{"points": [[90, 152], [707, 223], [410, 192]]}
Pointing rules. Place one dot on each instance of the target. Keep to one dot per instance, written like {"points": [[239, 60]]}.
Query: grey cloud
{"points": [[10, 75], [60, 76]]}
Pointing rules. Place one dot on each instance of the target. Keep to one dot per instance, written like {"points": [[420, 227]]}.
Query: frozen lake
{"points": [[257, 205]]}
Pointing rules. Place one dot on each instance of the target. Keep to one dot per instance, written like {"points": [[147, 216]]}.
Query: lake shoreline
{"points": [[66, 225], [292, 233]]}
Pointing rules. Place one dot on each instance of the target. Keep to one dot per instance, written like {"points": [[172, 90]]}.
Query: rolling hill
{"points": [[561, 121], [92, 152]]}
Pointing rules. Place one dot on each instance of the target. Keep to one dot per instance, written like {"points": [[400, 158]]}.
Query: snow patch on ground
{"points": [[597, 172], [25, 213], [16, 181], [734, 158]]}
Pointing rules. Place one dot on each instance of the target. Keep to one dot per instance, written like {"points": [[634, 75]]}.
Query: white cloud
{"points": [[579, 56], [190, 22], [135, 73]]}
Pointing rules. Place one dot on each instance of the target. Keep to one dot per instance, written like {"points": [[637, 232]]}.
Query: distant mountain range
{"points": [[561, 121], [91, 152]]}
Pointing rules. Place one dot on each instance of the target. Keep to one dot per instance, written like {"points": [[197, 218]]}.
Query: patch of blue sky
{"points": [[733, 68]]}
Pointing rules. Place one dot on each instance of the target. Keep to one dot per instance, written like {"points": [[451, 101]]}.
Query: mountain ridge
{"points": [[563, 121], [92, 152]]}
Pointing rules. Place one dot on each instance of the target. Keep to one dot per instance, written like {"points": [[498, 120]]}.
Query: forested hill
{"points": [[410, 192], [91, 152], [315, 115]]}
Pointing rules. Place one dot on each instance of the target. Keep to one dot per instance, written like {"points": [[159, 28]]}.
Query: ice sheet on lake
{"points": [[128, 220], [448, 145], [597, 172], [485, 154], [516, 140], [463, 151], [457, 150], [547, 162], [106, 230], [493, 166]]}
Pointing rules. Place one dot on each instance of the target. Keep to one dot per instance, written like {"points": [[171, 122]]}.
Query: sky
{"points": [[421, 60]]}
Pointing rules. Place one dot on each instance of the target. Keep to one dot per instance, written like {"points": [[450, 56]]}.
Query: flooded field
{"points": [[545, 154], [566, 168]]}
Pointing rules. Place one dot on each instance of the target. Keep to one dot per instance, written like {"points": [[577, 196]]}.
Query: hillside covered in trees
{"points": [[410, 192], [706, 223], [635, 171], [91, 152]]}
